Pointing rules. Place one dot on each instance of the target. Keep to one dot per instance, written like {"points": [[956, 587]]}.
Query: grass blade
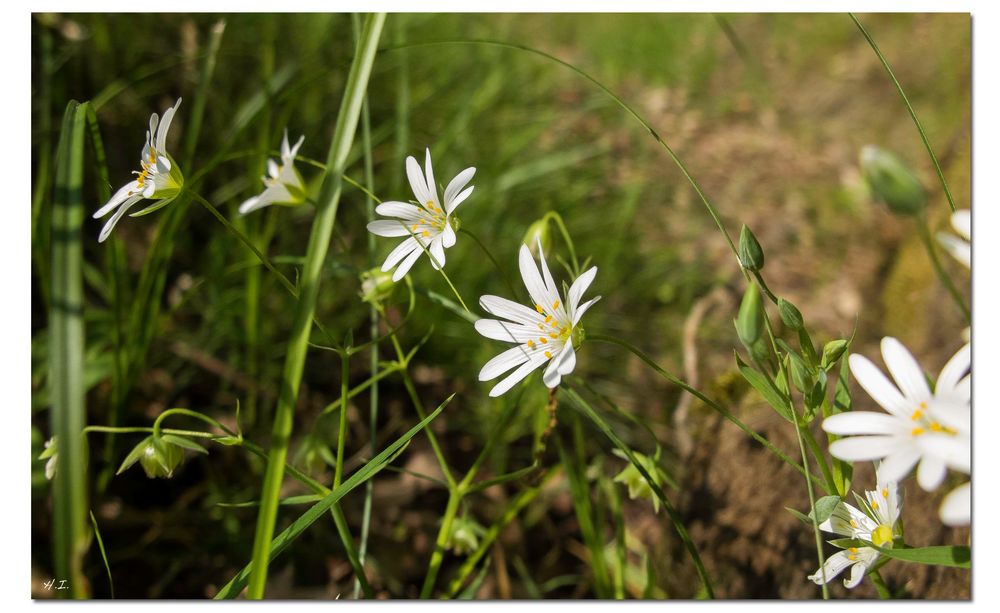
{"points": [[104, 554], [66, 353]]}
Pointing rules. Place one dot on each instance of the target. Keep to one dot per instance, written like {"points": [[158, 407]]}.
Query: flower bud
{"points": [[749, 321], [790, 315], [832, 352], [51, 454], [158, 457], [637, 485], [538, 232], [464, 537], [376, 286], [891, 181], [751, 255]]}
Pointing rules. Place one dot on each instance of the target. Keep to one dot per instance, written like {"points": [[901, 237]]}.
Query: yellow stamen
{"points": [[414, 227], [917, 415], [555, 305], [935, 426], [853, 549], [553, 335], [885, 493], [539, 308], [426, 233], [874, 504], [854, 523], [916, 431], [852, 557], [541, 327], [543, 340], [531, 344], [548, 318], [548, 354]]}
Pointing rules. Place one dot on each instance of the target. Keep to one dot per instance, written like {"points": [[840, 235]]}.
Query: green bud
{"points": [[157, 457], [50, 453], [637, 485], [538, 232], [376, 286], [801, 377], [891, 181], [750, 321], [464, 537], [789, 314], [832, 352], [751, 255]]}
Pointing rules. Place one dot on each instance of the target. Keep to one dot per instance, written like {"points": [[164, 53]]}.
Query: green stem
{"points": [[454, 498], [556, 217], [909, 108], [319, 240], [503, 274], [880, 586], [924, 230]]}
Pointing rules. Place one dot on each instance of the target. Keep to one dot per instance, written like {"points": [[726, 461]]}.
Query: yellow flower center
{"points": [[882, 535]]}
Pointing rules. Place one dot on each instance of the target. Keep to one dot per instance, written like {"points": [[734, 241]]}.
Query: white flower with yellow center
{"points": [[158, 179], [877, 526], [543, 334], [930, 428], [283, 183], [960, 246], [429, 224]]}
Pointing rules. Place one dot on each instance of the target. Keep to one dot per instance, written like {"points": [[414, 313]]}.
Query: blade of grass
{"points": [[319, 240], [366, 472], [66, 352], [104, 554]]}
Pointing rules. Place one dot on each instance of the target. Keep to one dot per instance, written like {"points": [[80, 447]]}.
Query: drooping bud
{"points": [[751, 255], [538, 232], [376, 286], [464, 537], [637, 485], [892, 181]]}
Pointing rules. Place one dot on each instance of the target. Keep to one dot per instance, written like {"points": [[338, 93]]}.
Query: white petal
{"points": [[954, 451], [523, 371], [285, 150], [508, 309], [580, 310], [431, 184], [385, 227], [567, 359], [437, 254], [515, 356], [561, 311], [295, 148], [402, 250], [899, 463], [905, 370], [551, 377], [455, 186], [532, 280], [448, 235], [931, 472], [864, 448], [405, 265], [402, 210], [878, 386], [120, 196], [863, 422], [954, 370], [161, 133], [833, 566], [250, 204], [459, 199], [578, 288], [110, 225], [956, 508], [962, 222], [417, 183], [507, 332], [865, 557]]}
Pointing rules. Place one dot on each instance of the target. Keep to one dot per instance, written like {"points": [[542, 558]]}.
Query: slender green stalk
{"points": [[880, 586], [924, 230], [104, 554], [909, 108], [319, 240], [201, 99], [557, 218], [450, 511], [500, 270], [66, 351]]}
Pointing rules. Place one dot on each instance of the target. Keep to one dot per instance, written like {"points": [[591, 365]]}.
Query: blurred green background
{"points": [[769, 113]]}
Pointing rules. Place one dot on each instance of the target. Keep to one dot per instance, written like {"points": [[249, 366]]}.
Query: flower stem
{"points": [[500, 270], [924, 230], [557, 218], [880, 586], [909, 108], [319, 240]]}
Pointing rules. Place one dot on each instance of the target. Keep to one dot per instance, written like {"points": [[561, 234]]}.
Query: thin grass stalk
{"points": [[201, 99], [366, 142], [66, 351], [909, 108], [319, 240]]}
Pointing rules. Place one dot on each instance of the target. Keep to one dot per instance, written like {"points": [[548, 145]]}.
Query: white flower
{"points": [[956, 507], [932, 429], [429, 226], [160, 178], [544, 334], [959, 247], [283, 182], [878, 526]]}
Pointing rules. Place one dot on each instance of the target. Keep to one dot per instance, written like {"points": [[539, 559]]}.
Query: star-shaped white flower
{"points": [[932, 429], [160, 178], [959, 246], [543, 334], [878, 528], [429, 225], [283, 183]]}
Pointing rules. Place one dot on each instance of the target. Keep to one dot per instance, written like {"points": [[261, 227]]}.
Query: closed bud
{"points": [[158, 457], [749, 321], [464, 537], [891, 181], [376, 286], [790, 315], [538, 233], [637, 485], [751, 255], [832, 352], [51, 454]]}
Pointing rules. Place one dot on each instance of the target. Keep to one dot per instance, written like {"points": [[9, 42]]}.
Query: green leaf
{"points": [[824, 508], [802, 517], [778, 401], [955, 556], [848, 543], [134, 455], [790, 315], [292, 532], [291, 500], [186, 443]]}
